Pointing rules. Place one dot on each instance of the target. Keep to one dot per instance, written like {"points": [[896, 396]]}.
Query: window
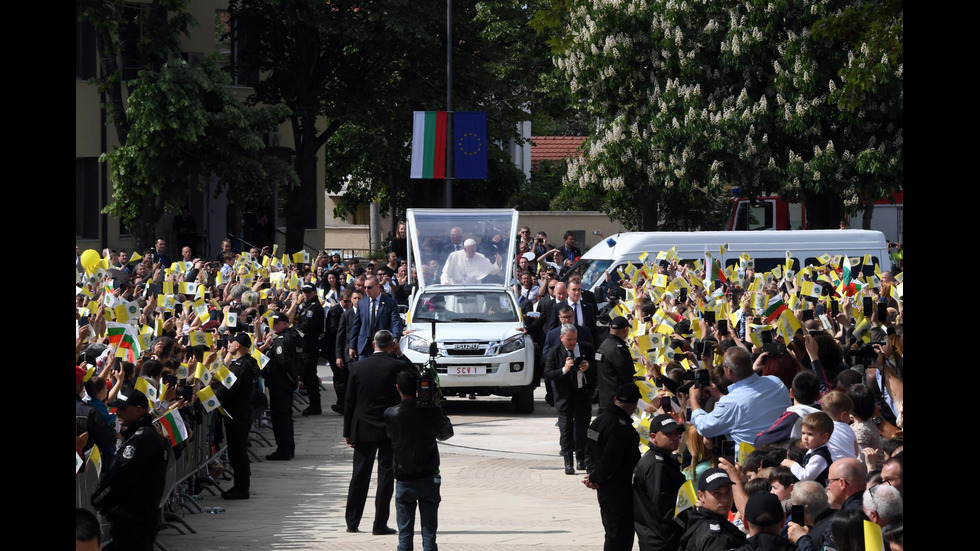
{"points": [[231, 41], [85, 55], [86, 198], [760, 216], [131, 33]]}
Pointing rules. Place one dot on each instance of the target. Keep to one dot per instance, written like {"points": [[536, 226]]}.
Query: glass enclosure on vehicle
{"points": [[462, 247], [491, 305]]}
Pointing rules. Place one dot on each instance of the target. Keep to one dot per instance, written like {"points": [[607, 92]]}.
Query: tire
{"points": [[524, 400]]}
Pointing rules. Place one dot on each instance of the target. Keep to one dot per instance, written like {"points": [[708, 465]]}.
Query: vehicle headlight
{"points": [[512, 344], [418, 344]]}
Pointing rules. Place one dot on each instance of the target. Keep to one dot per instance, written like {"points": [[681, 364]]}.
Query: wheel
{"points": [[524, 400]]}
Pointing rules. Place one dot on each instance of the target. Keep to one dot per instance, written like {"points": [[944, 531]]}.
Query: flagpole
{"points": [[450, 140]]}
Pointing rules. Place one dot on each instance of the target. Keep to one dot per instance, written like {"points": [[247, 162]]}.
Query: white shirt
{"points": [[842, 442]]}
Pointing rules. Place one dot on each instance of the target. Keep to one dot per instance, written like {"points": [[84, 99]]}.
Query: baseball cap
{"points": [[663, 423], [130, 397], [628, 393], [712, 479], [619, 322], [763, 509]]}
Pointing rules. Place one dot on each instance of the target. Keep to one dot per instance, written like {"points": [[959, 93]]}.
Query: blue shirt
{"points": [[751, 406]]}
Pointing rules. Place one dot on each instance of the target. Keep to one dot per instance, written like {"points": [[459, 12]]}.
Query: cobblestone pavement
{"points": [[503, 487]]}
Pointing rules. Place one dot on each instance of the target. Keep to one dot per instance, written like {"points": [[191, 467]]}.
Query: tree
{"points": [[692, 98], [353, 71], [187, 126], [182, 125]]}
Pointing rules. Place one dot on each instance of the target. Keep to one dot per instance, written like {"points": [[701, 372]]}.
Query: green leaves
{"points": [[187, 126]]}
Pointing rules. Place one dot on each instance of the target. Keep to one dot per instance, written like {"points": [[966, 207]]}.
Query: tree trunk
{"points": [[869, 210], [824, 212], [647, 213], [301, 199]]}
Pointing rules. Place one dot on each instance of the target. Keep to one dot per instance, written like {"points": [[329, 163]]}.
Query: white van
{"points": [[767, 249]]}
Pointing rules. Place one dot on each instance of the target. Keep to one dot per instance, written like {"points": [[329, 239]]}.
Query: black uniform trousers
{"points": [[574, 413], [364, 453], [236, 431], [310, 379], [339, 382], [616, 509], [281, 412]]}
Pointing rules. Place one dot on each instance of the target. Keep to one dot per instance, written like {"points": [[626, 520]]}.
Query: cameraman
{"points": [[413, 431]]}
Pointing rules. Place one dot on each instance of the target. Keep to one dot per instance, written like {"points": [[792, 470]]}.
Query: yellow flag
{"points": [[95, 457], [744, 449], [207, 397], [686, 498], [872, 537], [643, 429]]}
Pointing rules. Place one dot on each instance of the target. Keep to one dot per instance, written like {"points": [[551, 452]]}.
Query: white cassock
{"points": [[460, 269]]}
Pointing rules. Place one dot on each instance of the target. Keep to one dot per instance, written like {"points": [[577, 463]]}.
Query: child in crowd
{"points": [[843, 443], [817, 428], [97, 393]]}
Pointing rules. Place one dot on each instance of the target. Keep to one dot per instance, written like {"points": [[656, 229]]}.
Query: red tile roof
{"points": [[554, 148]]}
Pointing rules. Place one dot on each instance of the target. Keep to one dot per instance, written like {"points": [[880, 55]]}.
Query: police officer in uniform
{"points": [[610, 455], [656, 480], [310, 327], [615, 363], [280, 377], [237, 401], [129, 494], [708, 528]]}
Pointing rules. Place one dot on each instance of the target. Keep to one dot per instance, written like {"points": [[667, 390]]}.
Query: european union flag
{"points": [[470, 147]]}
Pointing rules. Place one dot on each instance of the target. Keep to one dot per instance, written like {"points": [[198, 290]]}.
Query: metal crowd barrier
{"points": [[187, 475]]}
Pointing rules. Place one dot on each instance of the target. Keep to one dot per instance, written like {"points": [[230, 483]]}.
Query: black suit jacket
{"points": [[564, 382], [362, 335], [343, 334], [370, 391], [331, 325], [588, 317]]}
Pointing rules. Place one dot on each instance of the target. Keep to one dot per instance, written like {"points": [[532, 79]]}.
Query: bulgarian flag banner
{"points": [[716, 273], [775, 307], [847, 286], [173, 427], [429, 144], [124, 338]]}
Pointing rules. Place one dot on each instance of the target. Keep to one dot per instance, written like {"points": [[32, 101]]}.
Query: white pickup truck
{"points": [[469, 302]]}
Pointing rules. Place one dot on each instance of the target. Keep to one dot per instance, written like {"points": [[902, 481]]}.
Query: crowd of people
{"points": [[750, 393], [735, 385]]}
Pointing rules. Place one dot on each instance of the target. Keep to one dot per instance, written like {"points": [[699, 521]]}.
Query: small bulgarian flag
{"points": [[847, 286], [775, 307], [116, 332], [717, 274], [173, 427], [429, 144]]}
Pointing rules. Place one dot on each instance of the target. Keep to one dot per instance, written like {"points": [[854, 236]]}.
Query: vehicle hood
{"points": [[469, 331]]}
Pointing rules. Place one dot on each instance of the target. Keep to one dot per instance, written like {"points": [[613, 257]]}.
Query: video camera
{"points": [[428, 394]]}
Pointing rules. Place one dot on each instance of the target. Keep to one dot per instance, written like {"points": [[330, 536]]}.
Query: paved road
{"points": [[504, 487]]}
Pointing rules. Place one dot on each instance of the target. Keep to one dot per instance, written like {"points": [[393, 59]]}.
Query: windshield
{"points": [[462, 247], [591, 270], [470, 306]]}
